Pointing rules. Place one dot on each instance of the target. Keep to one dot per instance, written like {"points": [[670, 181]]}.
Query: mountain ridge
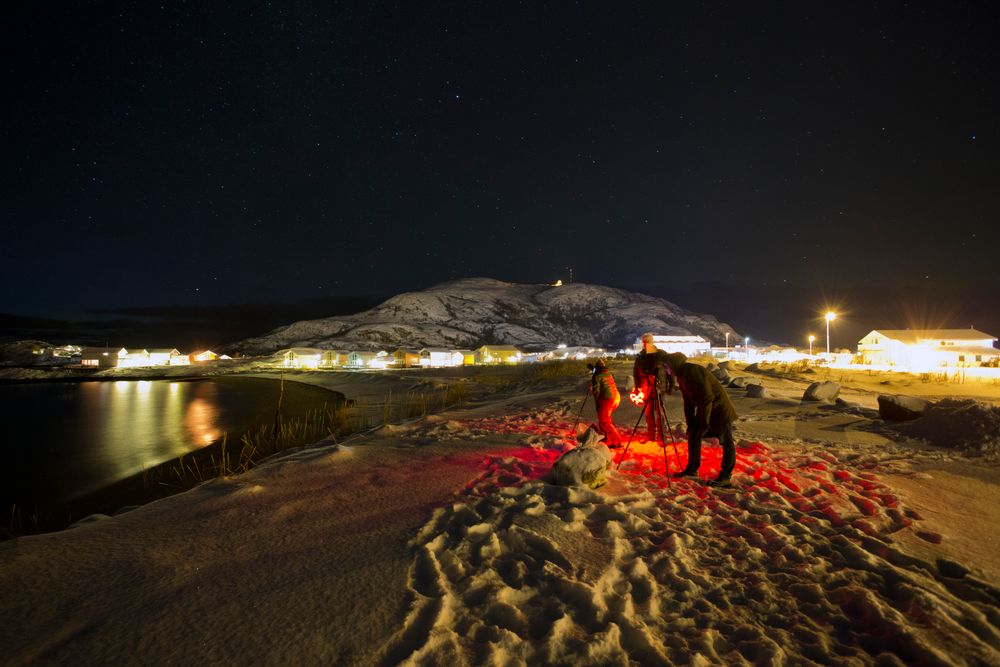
{"points": [[469, 312]]}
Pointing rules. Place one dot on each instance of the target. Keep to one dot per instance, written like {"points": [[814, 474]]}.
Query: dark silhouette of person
{"points": [[708, 412], [650, 374]]}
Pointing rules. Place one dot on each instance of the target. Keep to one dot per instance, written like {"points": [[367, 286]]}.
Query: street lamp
{"points": [[830, 316], [811, 339], [746, 347], [727, 345]]}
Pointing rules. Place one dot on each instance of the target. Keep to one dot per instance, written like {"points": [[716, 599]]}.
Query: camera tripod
{"points": [[655, 403]]}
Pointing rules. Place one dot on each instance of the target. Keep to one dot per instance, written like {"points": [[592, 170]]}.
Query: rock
{"points": [[900, 408], [738, 383], [950, 568], [821, 391], [752, 368], [727, 365], [757, 391], [585, 465], [721, 375], [963, 424], [809, 371], [711, 367], [90, 518]]}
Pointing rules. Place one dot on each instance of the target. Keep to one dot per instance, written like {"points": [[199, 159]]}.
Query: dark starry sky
{"points": [[750, 160]]}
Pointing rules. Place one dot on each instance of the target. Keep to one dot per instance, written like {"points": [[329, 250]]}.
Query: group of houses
{"points": [[105, 357], [427, 357], [485, 355], [901, 349]]}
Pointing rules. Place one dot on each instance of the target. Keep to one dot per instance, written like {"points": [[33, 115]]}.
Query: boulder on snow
{"points": [[894, 408], [757, 391], [738, 383], [753, 368], [585, 465], [727, 365], [721, 375], [821, 391], [959, 423]]}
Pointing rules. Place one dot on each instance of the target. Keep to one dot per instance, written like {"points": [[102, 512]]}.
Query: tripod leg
{"points": [[634, 429], [662, 443], [580, 413], [673, 445]]}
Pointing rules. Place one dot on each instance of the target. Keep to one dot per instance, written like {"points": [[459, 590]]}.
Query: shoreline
{"points": [[148, 485]]}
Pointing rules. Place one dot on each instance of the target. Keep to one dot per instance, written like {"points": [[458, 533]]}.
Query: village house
{"points": [[99, 357], [405, 358], [333, 358], [300, 357], [927, 349], [167, 357], [368, 359], [468, 357], [498, 354], [133, 358], [202, 356], [435, 357]]}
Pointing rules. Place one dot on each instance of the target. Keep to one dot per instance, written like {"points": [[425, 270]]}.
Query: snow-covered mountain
{"points": [[471, 312]]}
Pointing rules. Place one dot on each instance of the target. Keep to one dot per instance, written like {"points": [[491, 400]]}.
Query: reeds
{"points": [[222, 459]]}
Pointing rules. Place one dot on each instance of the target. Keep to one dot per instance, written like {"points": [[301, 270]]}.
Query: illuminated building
{"points": [[498, 354], [691, 346], [927, 349]]}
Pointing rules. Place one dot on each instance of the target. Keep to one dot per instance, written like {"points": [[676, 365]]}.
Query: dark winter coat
{"points": [[602, 384], [649, 366], [706, 403]]}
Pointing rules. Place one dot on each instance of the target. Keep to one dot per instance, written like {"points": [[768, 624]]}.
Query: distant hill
{"points": [[470, 312]]}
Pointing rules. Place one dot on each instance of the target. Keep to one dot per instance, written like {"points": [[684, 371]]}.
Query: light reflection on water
{"points": [[75, 438]]}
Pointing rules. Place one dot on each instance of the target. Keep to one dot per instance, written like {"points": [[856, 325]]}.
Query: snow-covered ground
{"points": [[439, 541]]}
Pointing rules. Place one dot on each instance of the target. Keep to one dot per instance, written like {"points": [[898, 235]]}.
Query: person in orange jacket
{"points": [[607, 398]]}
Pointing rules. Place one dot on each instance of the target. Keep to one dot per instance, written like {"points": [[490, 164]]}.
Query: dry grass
{"points": [[222, 459]]}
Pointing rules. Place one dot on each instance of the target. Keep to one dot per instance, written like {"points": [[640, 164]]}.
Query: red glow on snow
{"points": [[823, 489]]}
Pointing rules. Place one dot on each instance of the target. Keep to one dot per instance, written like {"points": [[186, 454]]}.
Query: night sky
{"points": [[752, 161]]}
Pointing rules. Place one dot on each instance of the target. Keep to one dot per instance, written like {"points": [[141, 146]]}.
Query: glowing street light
{"points": [[830, 316], [727, 345], [746, 346], [811, 339]]}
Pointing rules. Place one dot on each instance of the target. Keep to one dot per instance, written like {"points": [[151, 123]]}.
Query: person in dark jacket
{"points": [[708, 412], [607, 398], [651, 367]]}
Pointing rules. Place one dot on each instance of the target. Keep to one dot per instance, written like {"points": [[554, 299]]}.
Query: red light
{"points": [[637, 396]]}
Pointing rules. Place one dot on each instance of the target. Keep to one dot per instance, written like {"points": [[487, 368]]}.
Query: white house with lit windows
{"points": [[435, 357], [366, 359], [691, 346], [927, 349], [167, 357]]}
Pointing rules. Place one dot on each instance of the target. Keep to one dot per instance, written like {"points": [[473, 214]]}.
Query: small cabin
{"points": [[498, 354]]}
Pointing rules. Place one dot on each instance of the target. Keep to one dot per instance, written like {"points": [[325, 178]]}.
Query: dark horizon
{"points": [[758, 164], [778, 315]]}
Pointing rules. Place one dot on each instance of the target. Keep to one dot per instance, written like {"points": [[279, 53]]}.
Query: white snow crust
{"points": [[439, 541]]}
